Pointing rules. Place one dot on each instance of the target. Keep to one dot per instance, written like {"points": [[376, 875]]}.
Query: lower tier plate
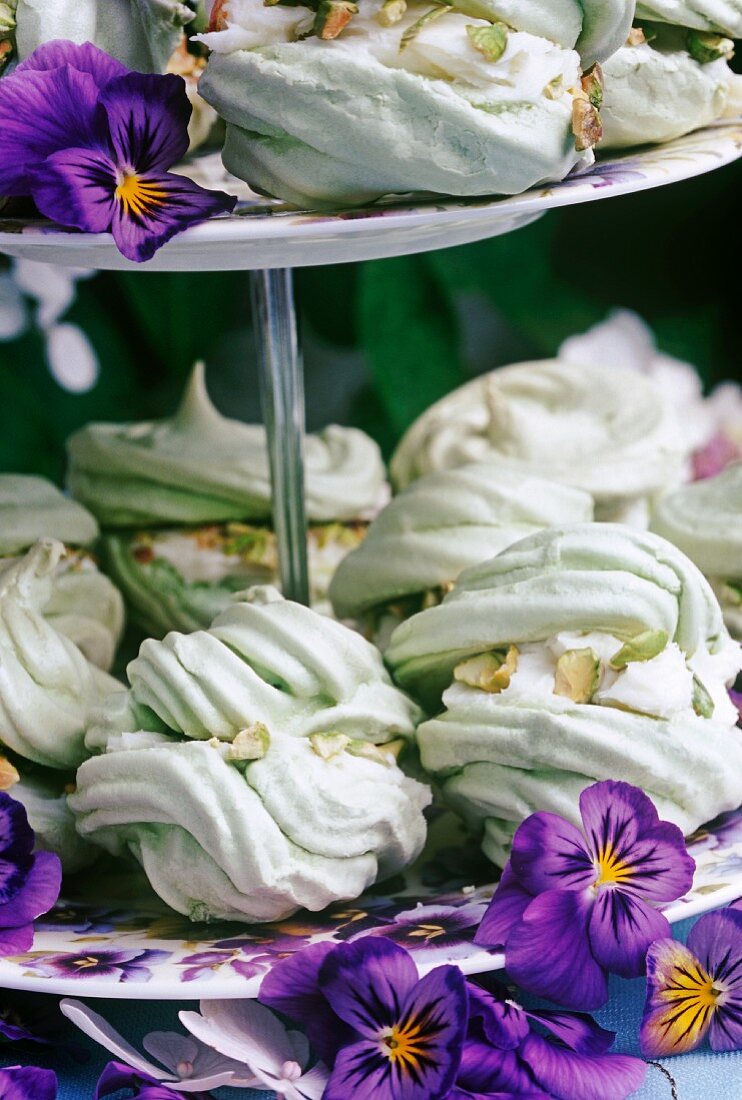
{"points": [[90, 947]]}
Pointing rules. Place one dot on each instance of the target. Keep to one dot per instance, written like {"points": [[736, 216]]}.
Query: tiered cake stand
{"points": [[94, 949]]}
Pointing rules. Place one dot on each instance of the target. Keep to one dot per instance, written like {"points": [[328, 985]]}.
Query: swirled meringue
{"points": [[439, 115], [201, 467], [607, 432], [722, 16], [246, 768], [443, 523], [705, 520], [582, 653], [657, 91], [84, 604], [141, 33], [46, 684]]}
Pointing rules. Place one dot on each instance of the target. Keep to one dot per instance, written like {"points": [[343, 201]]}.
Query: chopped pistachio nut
{"points": [[491, 41], [8, 775], [251, 743], [555, 88], [391, 12], [329, 745], [705, 48], [643, 647], [703, 704], [587, 125], [489, 672], [380, 754], [593, 85], [7, 17], [637, 37], [412, 32], [333, 17], [577, 675]]}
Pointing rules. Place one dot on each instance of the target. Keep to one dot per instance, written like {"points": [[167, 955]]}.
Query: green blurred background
{"points": [[384, 339]]}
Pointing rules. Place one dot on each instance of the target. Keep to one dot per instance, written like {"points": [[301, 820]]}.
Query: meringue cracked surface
{"points": [[439, 525], [251, 768], [479, 98], [705, 520], [582, 653]]}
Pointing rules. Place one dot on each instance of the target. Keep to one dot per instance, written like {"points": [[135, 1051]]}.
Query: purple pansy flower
{"points": [[122, 966], [570, 908], [92, 143], [433, 930], [382, 1030], [27, 1083], [694, 992], [29, 881], [715, 456]]}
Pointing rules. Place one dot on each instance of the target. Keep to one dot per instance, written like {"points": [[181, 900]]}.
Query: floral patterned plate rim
{"points": [[109, 949], [263, 233]]}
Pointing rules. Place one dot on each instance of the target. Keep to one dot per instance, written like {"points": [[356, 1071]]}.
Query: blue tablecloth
{"points": [[701, 1076]]}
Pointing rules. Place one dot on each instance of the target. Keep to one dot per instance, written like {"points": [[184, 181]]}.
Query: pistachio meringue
{"points": [[84, 605], [580, 653], [251, 768], [140, 33], [656, 91], [435, 528], [705, 520], [608, 432], [47, 686], [720, 16], [480, 101]]}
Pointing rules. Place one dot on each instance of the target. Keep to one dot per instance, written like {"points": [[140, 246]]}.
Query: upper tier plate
{"points": [[106, 945], [264, 234]]}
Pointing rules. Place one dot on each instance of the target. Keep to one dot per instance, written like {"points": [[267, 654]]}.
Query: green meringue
{"points": [[241, 768], [656, 91], [84, 604], [201, 467], [140, 33], [705, 520], [608, 432], [438, 115], [47, 686], [443, 523], [721, 16], [576, 655]]}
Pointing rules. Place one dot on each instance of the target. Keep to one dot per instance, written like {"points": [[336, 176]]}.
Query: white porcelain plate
{"points": [[141, 949], [265, 234]]}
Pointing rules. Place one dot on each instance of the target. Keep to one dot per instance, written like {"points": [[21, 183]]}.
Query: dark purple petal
{"points": [[148, 118], [16, 835], [503, 1023], [549, 854], [27, 1083], [716, 940], [570, 1076], [117, 1076], [432, 1027], [86, 58], [548, 952], [678, 1010], [41, 113], [75, 187], [576, 1030], [367, 982], [162, 206], [292, 988], [621, 930], [484, 1069], [14, 941], [507, 907], [37, 895]]}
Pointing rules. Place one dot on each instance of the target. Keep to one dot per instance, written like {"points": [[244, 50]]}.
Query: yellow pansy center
{"points": [[610, 869], [404, 1044], [136, 194], [86, 962]]}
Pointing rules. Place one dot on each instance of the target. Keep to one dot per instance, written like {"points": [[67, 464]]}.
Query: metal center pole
{"points": [[282, 396]]}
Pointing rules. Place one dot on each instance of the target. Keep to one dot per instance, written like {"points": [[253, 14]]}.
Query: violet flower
{"points": [[385, 1032], [694, 992], [572, 908], [27, 1083], [433, 930], [121, 966], [249, 1033], [92, 143], [29, 881], [189, 1065]]}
